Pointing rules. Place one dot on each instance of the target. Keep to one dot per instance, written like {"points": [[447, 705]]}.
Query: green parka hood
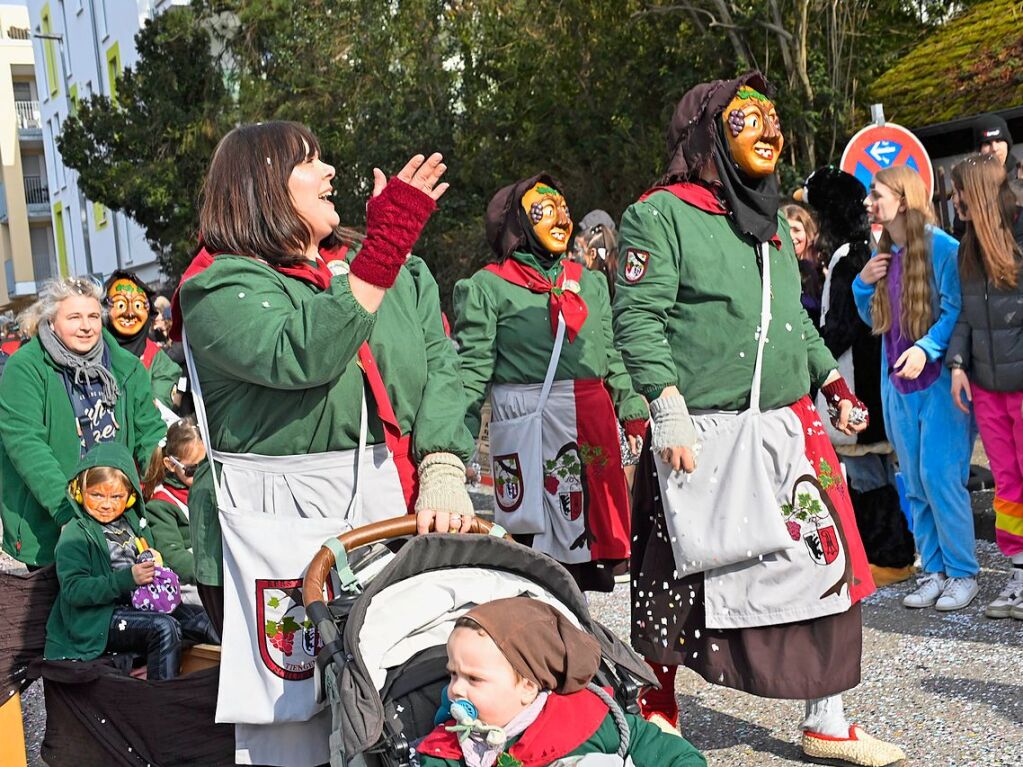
{"points": [[117, 456]]}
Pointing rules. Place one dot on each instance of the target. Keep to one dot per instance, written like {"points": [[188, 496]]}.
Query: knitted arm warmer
{"points": [[394, 220], [670, 423], [442, 485]]}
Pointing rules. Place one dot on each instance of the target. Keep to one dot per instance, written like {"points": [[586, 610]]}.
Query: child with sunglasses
{"points": [[167, 482]]}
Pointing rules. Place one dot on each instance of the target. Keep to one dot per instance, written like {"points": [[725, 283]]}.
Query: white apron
{"points": [[275, 512], [516, 450], [729, 519]]}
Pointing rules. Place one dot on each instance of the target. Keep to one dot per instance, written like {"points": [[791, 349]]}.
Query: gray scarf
{"points": [[83, 367]]}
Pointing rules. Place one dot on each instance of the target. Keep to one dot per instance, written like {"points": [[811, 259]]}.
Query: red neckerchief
{"points": [[564, 300], [320, 276], [566, 722], [149, 353], [701, 197], [180, 493]]}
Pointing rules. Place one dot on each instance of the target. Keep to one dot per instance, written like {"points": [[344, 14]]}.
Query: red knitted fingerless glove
{"points": [[635, 427], [834, 393], [394, 220]]}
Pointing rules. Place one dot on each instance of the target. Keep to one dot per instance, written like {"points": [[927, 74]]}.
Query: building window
{"points": [[100, 216], [58, 234], [58, 161], [73, 93], [46, 27], [100, 9], [66, 40], [51, 146], [113, 69]]}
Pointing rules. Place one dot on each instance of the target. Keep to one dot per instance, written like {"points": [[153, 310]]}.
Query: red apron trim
{"points": [[566, 722], [607, 493], [822, 457], [565, 300], [149, 353]]}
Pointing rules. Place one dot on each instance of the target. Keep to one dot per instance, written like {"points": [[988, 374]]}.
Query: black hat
{"points": [[990, 127]]}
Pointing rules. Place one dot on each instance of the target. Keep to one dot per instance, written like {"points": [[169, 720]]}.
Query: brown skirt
{"points": [[798, 661]]}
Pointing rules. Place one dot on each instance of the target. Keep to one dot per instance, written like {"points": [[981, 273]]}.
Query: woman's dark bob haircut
{"points": [[246, 206]]}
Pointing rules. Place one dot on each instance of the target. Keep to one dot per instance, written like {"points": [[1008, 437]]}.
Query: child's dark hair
{"points": [[180, 434]]}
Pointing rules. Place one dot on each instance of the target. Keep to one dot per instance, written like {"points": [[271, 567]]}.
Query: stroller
{"points": [[383, 663]]}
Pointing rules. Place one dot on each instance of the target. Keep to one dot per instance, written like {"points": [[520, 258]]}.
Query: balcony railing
{"points": [[36, 191], [18, 33], [28, 115]]}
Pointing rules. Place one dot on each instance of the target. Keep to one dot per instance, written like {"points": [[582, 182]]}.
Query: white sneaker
{"points": [[957, 594], [928, 589], [1009, 597]]}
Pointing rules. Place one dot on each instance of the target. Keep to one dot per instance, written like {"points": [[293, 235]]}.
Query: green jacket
{"points": [[504, 336], [648, 746], [90, 589], [690, 318], [268, 344], [164, 375], [171, 533], [39, 444]]}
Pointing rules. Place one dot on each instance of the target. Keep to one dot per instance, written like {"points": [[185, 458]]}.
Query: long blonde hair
{"points": [[915, 295], [988, 245]]}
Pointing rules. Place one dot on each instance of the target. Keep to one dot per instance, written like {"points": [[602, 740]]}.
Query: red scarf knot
{"points": [[565, 292]]}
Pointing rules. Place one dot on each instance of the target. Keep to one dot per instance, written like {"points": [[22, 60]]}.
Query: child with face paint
{"points": [[130, 317], [104, 557], [568, 484], [759, 592], [521, 679], [910, 294]]}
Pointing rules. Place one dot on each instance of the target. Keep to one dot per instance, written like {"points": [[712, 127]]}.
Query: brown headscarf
{"points": [[694, 124], [696, 138], [540, 642], [508, 229]]}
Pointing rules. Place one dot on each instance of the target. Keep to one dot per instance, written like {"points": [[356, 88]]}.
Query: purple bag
{"points": [[163, 595]]}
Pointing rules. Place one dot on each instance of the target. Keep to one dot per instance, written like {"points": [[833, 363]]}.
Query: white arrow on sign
{"points": [[880, 150]]}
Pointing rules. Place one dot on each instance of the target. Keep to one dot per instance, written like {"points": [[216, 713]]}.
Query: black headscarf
{"points": [[509, 228], [136, 344], [696, 138]]}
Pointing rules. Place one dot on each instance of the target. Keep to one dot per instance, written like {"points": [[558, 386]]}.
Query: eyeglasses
{"points": [[188, 469]]}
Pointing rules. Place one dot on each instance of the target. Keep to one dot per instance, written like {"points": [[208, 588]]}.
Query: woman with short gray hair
{"points": [[68, 388]]}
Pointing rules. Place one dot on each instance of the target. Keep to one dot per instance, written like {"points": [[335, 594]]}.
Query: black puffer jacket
{"points": [[988, 338]]}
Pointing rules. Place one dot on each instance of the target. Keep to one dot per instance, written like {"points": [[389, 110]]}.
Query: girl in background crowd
{"points": [[909, 294], [168, 478], [803, 230], [986, 350]]}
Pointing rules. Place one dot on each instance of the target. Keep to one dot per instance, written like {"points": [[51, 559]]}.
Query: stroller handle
{"points": [[398, 527]]}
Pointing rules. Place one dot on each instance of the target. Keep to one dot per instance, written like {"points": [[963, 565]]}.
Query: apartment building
{"points": [[27, 252], [82, 46]]}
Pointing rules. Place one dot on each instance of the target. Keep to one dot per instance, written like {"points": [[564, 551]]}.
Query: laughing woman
{"points": [[328, 397], [559, 481]]}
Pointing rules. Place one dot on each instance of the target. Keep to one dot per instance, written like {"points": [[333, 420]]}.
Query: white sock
{"points": [[826, 716]]}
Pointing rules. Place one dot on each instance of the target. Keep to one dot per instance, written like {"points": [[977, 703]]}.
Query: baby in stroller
{"points": [[521, 695]]}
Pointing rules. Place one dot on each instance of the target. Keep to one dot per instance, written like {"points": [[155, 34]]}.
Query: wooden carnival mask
{"points": [[548, 213], [129, 307], [753, 132]]}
